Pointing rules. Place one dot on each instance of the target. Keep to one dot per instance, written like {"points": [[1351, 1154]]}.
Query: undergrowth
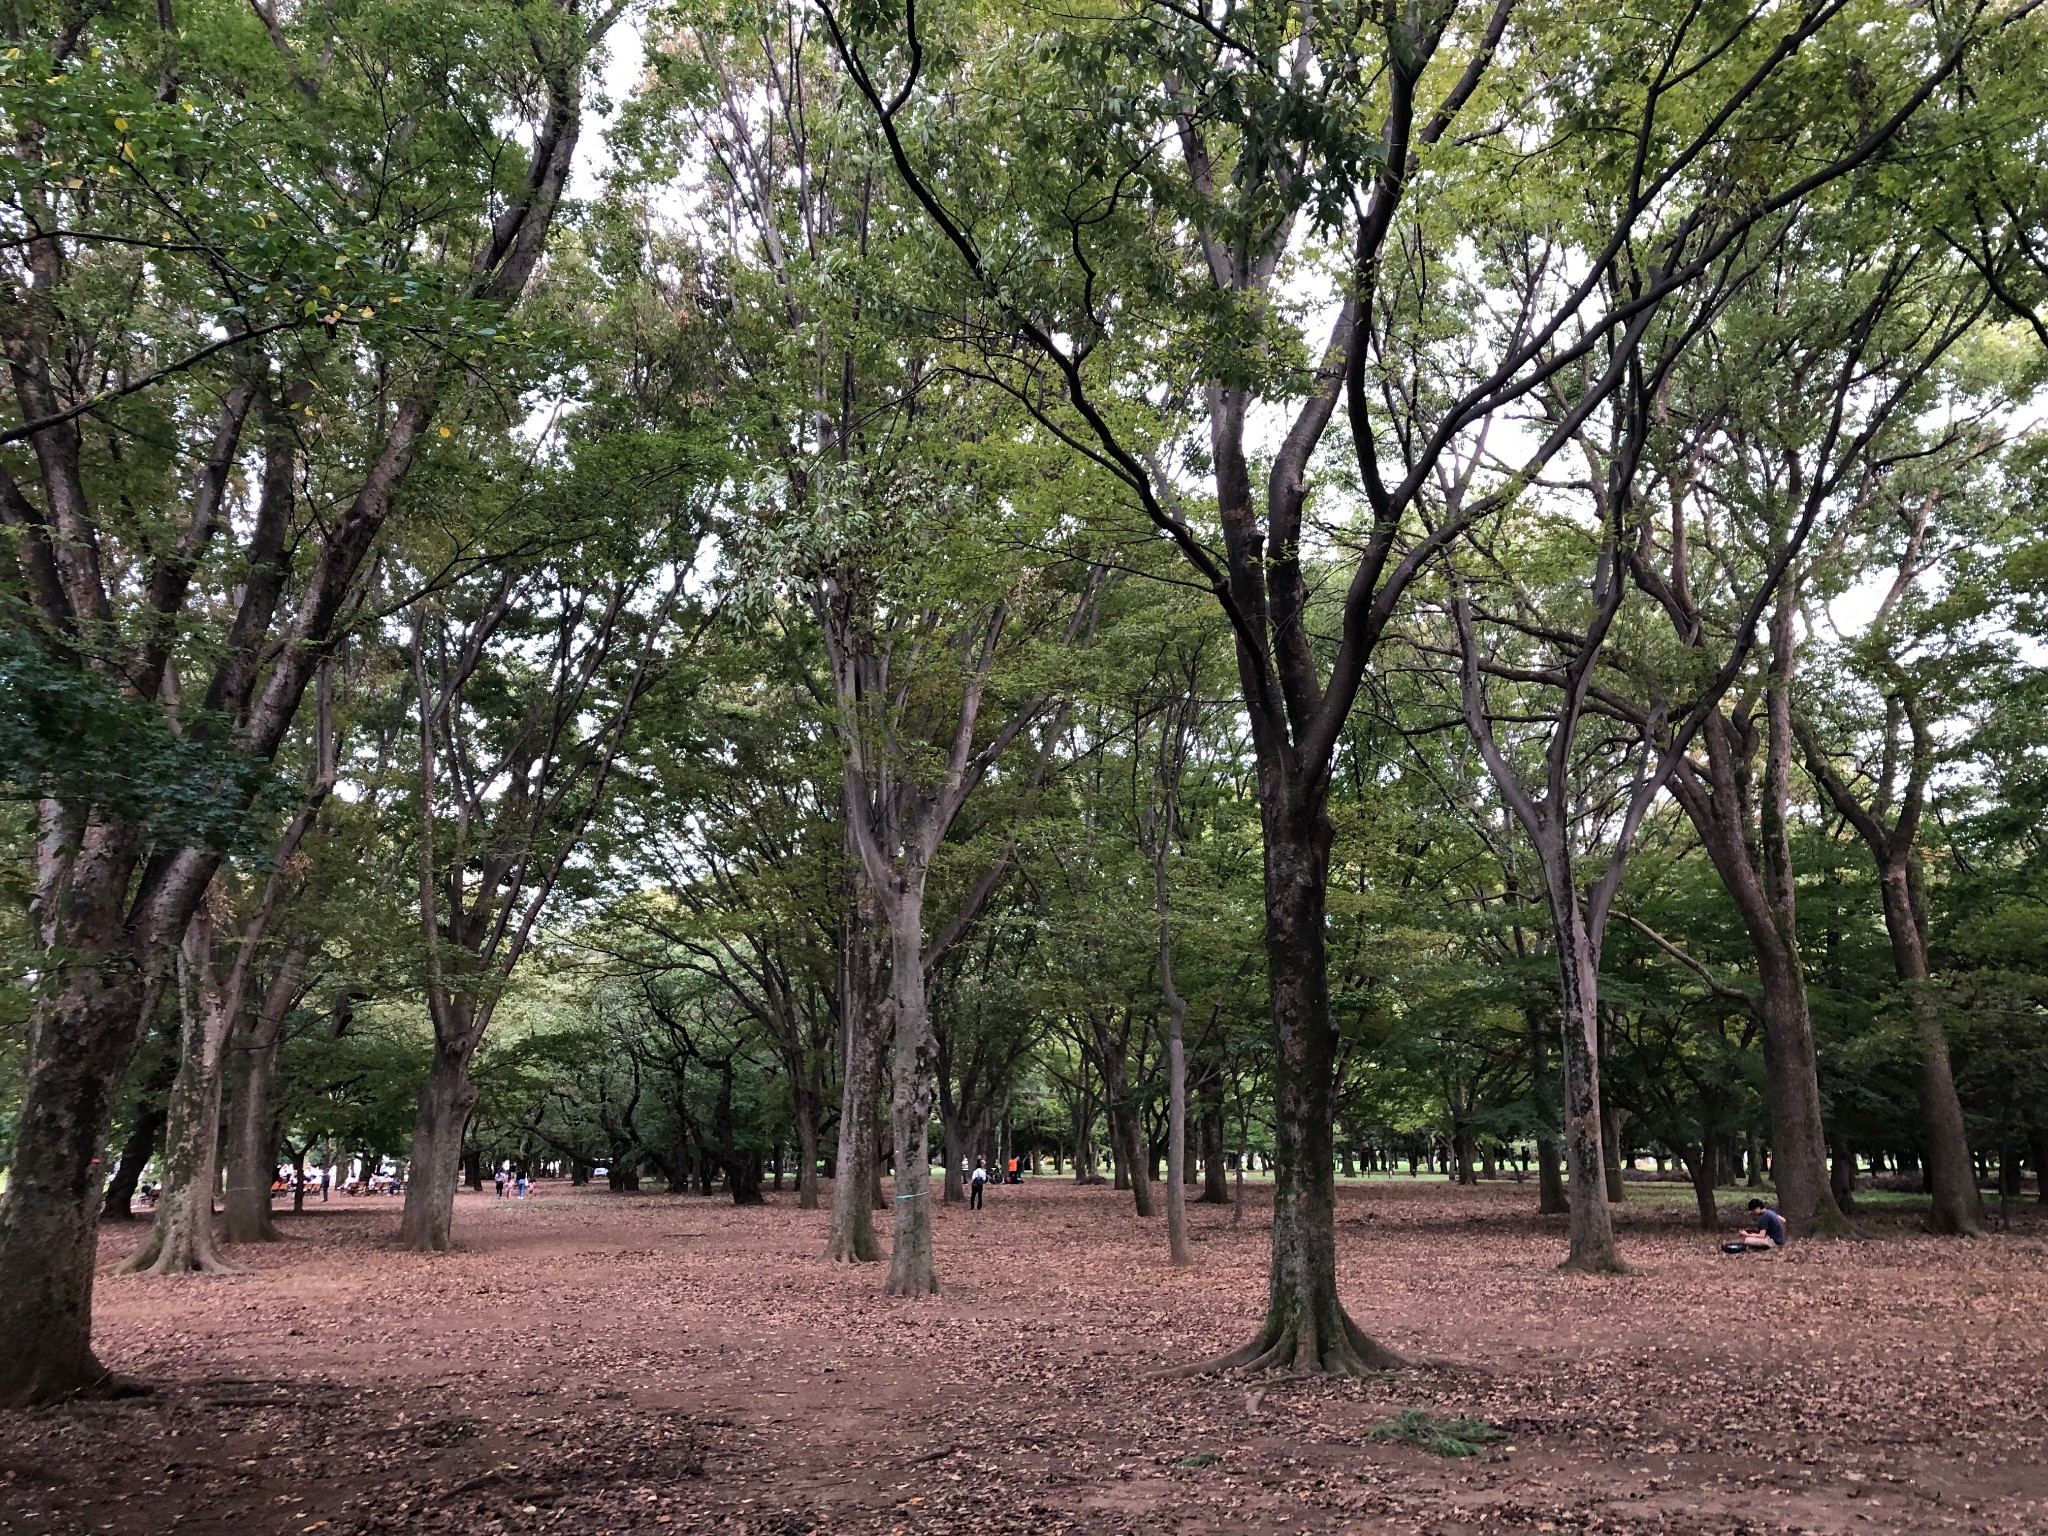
{"points": [[1447, 1437]]}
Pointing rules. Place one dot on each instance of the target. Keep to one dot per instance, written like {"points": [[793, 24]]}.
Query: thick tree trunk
{"points": [[181, 1242], [911, 1269], [1957, 1208], [252, 1142], [1306, 1328], [807, 1158], [1754, 865], [852, 1238], [446, 1099], [82, 1036], [1799, 1161]]}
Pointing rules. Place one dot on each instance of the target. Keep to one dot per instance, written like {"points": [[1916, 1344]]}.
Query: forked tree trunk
{"points": [[912, 1271], [1754, 862], [1306, 1328], [181, 1241], [446, 1100], [1703, 1165]]}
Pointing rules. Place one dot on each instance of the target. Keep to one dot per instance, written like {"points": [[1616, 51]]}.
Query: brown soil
{"points": [[647, 1364]]}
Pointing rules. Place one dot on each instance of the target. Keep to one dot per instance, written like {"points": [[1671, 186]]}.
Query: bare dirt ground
{"points": [[650, 1364]]}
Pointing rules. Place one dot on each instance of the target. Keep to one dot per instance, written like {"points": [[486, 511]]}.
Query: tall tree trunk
{"points": [[1799, 1164], [1306, 1328], [807, 1153], [252, 1144], [1610, 1149], [1957, 1208], [1699, 1166], [446, 1099], [84, 1031], [1593, 1249], [955, 1135], [152, 1104], [1127, 1142], [252, 1119], [1551, 1199], [1761, 889], [911, 1269], [181, 1242], [1215, 1176], [1176, 1112], [864, 1021]]}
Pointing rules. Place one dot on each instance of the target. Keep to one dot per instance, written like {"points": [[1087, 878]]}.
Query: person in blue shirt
{"points": [[1769, 1222]]}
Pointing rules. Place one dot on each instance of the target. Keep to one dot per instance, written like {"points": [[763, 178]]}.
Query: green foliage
{"points": [[1446, 1437], [71, 734]]}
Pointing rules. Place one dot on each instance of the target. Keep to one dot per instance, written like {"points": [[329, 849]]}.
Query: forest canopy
{"points": [[716, 595]]}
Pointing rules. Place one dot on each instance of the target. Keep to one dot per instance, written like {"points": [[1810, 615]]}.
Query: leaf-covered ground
{"points": [[649, 1364]]}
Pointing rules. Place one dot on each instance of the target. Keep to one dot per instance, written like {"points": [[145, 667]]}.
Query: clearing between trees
{"points": [[588, 1362]]}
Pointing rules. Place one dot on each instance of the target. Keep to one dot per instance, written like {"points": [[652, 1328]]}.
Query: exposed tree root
{"points": [[1595, 1264], [178, 1259], [847, 1248], [109, 1386], [1294, 1346], [926, 1284]]}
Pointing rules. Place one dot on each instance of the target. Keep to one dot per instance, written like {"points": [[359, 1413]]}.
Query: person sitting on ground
{"points": [[1770, 1225]]}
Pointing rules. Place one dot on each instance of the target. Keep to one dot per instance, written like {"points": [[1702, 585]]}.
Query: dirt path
{"points": [[596, 1363]]}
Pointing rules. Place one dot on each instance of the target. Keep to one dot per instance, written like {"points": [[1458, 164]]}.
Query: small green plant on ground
{"points": [[1447, 1437]]}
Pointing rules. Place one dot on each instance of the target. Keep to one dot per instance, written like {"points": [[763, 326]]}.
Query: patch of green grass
{"points": [[1199, 1459], [1447, 1437]]}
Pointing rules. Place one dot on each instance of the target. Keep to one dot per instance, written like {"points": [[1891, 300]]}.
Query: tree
{"points": [[1180, 158], [1886, 812], [246, 192], [1858, 354], [527, 678]]}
